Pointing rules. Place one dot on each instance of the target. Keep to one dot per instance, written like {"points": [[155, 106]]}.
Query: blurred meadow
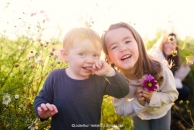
{"points": [[31, 33]]}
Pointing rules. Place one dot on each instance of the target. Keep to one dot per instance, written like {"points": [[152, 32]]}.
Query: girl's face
{"points": [[169, 47], [122, 48]]}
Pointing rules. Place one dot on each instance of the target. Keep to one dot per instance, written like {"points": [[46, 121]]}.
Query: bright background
{"points": [[147, 16]]}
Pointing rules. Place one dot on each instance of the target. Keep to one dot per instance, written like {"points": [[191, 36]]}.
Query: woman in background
{"points": [[167, 51]]}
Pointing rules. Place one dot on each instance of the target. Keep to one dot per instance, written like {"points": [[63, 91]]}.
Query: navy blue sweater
{"points": [[79, 101]]}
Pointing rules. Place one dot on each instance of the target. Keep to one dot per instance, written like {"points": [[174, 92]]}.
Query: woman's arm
{"points": [[182, 72]]}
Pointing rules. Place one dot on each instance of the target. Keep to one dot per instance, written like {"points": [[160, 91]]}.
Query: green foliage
{"points": [[187, 51], [150, 42], [109, 118], [24, 65]]}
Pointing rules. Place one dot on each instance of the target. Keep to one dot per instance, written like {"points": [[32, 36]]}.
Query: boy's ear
{"points": [[108, 59], [63, 55]]}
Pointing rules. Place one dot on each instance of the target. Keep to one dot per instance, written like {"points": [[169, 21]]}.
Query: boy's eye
{"points": [[96, 55], [82, 54]]}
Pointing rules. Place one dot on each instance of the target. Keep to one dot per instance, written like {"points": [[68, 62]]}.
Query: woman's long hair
{"points": [[171, 37]]}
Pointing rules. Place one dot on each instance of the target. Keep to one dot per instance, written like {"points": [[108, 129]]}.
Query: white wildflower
{"points": [[6, 99], [34, 125], [17, 97], [57, 55], [20, 47], [20, 107], [114, 127], [40, 60]]}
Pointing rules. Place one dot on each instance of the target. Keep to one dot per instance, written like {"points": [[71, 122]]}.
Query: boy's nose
{"points": [[89, 60]]}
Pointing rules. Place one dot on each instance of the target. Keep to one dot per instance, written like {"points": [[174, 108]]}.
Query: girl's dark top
{"points": [[79, 101]]}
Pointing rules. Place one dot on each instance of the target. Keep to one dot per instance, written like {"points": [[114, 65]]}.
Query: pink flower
{"points": [[42, 11], [149, 82], [33, 13]]}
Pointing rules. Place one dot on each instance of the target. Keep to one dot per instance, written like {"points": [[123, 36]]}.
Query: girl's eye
{"points": [[127, 42], [114, 47]]}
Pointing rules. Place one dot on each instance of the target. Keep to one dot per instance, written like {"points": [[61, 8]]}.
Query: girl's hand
{"points": [[148, 95], [102, 68], [139, 95], [47, 110]]}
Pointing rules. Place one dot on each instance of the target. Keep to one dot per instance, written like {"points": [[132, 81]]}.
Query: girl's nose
{"points": [[123, 48]]}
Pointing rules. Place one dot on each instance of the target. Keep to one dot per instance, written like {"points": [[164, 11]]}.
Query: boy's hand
{"points": [[47, 110], [139, 95], [148, 95], [102, 68]]}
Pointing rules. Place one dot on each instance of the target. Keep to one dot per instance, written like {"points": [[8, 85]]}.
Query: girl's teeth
{"points": [[126, 57]]}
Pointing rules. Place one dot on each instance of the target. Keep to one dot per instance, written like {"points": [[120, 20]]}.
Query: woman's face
{"points": [[169, 47]]}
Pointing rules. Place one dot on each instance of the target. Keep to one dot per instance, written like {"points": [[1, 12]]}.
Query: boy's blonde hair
{"points": [[80, 34]]}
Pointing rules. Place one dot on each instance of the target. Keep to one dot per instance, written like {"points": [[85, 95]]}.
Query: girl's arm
{"points": [[128, 106]]}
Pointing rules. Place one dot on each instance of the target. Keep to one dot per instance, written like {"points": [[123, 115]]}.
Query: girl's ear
{"points": [[63, 55], [108, 59]]}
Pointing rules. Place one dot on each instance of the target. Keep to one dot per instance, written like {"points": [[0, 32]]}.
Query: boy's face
{"points": [[81, 57]]}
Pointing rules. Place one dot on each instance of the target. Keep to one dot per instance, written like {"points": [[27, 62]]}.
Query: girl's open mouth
{"points": [[126, 57]]}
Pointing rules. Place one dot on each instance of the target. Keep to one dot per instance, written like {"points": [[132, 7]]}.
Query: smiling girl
{"points": [[150, 110]]}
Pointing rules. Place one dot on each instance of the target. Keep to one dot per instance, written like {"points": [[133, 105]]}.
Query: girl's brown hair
{"points": [[145, 64], [171, 58]]}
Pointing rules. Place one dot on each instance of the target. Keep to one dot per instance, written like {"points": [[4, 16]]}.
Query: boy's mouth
{"points": [[126, 57], [87, 68]]}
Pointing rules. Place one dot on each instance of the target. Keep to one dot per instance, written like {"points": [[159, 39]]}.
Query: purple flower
{"points": [[149, 82]]}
